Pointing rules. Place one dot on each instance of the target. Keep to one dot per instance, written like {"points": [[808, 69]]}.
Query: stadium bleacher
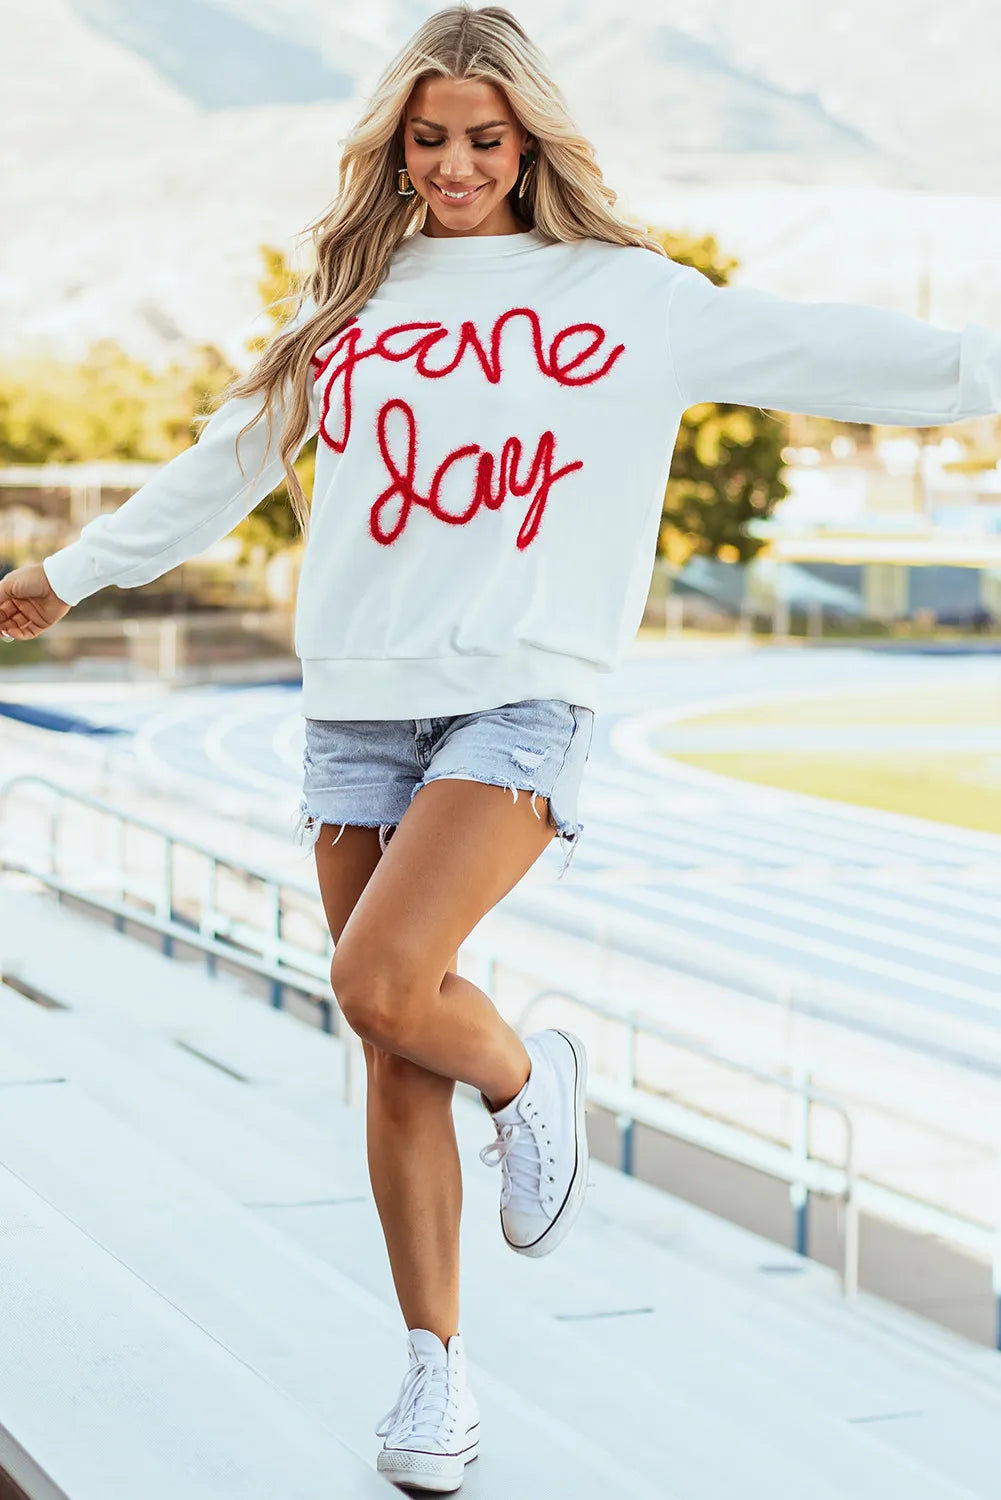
{"points": [[196, 1298]]}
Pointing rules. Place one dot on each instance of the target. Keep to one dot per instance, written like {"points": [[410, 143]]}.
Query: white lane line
{"points": [[829, 823], [960, 842], [830, 739], [215, 751], [967, 902], [824, 834], [859, 997], [804, 910], [922, 904], [143, 740], [664, 847], [654, 903], [744, 838], [630, 739]]}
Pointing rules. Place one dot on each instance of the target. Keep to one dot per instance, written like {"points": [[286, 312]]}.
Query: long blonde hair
{"points": [[565, 199]]}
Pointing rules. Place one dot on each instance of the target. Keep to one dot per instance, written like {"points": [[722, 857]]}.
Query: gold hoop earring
{"points": [[404, 186], [526, 174]]}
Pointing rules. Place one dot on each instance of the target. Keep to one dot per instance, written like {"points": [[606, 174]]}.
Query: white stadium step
{"points": [[298, 1322], [169, 1226], [731, 1382], [819, 1383], [111, 1390]]}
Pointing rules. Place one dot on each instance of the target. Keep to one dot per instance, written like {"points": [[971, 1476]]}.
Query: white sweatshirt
{"points": [[496, 432]]}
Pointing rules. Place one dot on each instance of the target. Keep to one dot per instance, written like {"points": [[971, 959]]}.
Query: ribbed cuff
{"points": [[70, 573]]}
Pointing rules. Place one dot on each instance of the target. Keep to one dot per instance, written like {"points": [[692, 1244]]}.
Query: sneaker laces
{"points": [[422, 1405], [516, 1150]]}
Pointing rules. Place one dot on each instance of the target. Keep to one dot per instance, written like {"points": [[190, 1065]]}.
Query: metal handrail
{"points": [[274, 947], [240, 866], [283, 975], [284, 965], [928, 1218]]}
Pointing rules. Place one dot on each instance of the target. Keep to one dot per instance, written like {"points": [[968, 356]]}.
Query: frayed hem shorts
{"points": [[366, 772]]}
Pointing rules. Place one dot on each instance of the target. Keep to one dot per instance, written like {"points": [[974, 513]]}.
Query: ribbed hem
{"points": [[427, 687]]}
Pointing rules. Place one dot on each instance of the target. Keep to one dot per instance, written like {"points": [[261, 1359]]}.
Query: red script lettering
{"points": [[417, 342]]}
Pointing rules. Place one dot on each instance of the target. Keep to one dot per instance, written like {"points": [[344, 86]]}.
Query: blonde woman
{"points": [[496, 365]]}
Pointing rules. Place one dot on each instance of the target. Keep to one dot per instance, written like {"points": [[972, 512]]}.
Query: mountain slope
{"points": [[213, 56], [149, 146]]}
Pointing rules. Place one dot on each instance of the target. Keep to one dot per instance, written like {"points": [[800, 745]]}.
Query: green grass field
{"points": [[962, 788], [950, 705]]}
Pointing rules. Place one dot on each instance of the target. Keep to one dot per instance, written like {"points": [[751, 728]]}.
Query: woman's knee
{"points": [[381, 999], [361, 1000], [377, 999]]}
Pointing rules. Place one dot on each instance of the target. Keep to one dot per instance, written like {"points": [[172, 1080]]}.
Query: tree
{"points": [[728, 459], [272, 524], [109, 406]]}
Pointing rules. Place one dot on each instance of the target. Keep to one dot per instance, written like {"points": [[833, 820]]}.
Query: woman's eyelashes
{"points": [[480, 145]]}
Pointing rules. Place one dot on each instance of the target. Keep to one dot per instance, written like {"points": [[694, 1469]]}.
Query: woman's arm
{"points": [[844, 360], [193, 501]]}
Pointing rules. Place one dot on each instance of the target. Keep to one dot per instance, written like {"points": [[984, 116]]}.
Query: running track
{"points": [[890, 923]]}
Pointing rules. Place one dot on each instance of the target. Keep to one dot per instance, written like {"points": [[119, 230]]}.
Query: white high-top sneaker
{"points": [[433, 1431], [541, 1145]]}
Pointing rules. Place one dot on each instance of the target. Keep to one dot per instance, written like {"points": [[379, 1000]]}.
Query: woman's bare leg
{"points": [[459, 848], [412, 1151], [413, 1162], [408, 1124]]}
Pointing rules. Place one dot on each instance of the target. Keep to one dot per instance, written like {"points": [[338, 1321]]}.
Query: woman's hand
{"points": [[27, 604]]}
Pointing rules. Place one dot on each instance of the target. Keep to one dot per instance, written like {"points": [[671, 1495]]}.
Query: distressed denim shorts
{"points": [[366, 772]]}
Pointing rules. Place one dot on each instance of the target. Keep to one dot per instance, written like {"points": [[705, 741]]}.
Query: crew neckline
{"points": [[476, 246]]}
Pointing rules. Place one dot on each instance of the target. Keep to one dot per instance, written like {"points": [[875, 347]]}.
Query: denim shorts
{"points": [[366, 772]]}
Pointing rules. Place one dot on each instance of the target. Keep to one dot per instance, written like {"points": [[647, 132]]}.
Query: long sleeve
{"points": [[844, 360], [193, 501]]}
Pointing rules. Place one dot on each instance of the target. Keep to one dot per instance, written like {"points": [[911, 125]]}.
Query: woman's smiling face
{"points": [[463, 147]]}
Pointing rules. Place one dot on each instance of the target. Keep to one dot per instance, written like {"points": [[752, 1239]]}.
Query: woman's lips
{"points": [[457, 201]]}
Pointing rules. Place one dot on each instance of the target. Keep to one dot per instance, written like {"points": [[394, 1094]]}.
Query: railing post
{"points": [[273, 944], [626, 1126], [275, 938], [207, 920], [54, 811], [799, 1192], [851, 1263], [167, 893], [625, 1121], [120, 849]]}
